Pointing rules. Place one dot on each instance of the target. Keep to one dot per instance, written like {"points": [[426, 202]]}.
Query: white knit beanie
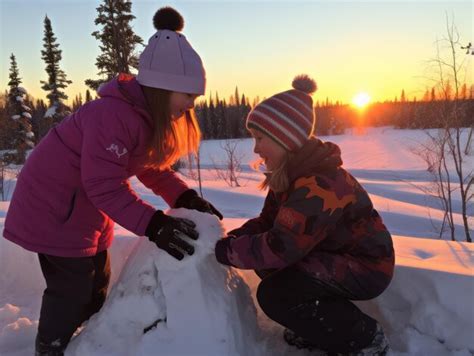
{"points": [[168, 61]]}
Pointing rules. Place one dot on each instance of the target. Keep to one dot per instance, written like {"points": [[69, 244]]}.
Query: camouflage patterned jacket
{"points": [[325, 225]]}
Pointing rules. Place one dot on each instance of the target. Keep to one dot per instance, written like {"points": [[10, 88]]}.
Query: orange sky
{"points": [[348, 47]]}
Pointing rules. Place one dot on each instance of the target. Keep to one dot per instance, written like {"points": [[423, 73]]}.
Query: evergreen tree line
{"points": [[333, 119], [219, 120], [24, 121]]}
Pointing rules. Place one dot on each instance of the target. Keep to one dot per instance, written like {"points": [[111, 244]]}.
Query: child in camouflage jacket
{"points": [[318, 242]]}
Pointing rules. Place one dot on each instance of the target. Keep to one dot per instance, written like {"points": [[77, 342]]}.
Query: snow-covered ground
{"points": [[211, 309]]}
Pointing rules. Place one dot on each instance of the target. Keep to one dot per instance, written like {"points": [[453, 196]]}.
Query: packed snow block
{"points": [[190, 307], [430, 296]]}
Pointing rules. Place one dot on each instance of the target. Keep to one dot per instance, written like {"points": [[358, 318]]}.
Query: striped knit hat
{"points": [[287, 117]]}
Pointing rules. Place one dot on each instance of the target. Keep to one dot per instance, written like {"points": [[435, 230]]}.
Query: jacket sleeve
{"points": [[107, 144], [311, 211], [263, 222], [165, 183]]}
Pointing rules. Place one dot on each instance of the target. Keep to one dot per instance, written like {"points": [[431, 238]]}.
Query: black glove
{"points": [[191, 200], [221, 250], [168, 233]]}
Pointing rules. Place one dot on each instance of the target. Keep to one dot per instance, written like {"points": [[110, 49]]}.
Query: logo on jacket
{"points": [[114, 148]]}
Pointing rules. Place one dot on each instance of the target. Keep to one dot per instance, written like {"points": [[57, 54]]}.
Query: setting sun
{"points": [[361, 100]]}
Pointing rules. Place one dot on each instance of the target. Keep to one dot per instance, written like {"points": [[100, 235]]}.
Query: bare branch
{"points": [[232, 165]]}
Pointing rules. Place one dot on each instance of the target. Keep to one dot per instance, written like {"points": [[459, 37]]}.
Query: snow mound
{"points": [[194, 306], [15, 334], [427, 310]]}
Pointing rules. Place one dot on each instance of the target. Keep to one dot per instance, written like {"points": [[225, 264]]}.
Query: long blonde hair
{"points": [[171, 139], [277, 180]]}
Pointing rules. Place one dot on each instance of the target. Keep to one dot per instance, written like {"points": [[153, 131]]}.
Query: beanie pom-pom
{"points": [[168, 18], [305, 84]]}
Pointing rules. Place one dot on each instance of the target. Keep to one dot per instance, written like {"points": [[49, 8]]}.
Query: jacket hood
{"points": [[315, 157], [125, 87]]}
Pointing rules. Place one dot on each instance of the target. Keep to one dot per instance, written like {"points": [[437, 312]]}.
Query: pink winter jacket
{"points": [[74, 185]]}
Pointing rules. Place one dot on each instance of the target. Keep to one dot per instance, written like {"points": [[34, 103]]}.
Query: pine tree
{"points": [[236, 96], [20, 129], [245, 109], [14, 75], [56, 82], [219, 120], [243, 102], [88, 96], [212, 119], [38, 118], [202, 113], [117, 39], [77, 102], [223, 122], [402, 96]]}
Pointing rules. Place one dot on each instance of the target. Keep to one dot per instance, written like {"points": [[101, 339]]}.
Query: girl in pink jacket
{"points": [[74, 185]]}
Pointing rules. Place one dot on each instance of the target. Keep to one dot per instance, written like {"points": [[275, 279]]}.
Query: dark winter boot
{"points": [[378, 347], [297, 341], [55, 348]]}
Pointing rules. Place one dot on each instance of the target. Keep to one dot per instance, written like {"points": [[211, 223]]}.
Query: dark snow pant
{"points": [[75, 289], [314, 310]]}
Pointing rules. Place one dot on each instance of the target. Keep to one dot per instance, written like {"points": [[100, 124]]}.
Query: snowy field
{"points": [[211, 310]]}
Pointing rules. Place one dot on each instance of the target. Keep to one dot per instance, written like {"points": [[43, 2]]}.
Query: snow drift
{"points": [[161, 305]]}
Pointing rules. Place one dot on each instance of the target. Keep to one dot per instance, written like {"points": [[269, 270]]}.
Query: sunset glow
{"points": [[342, 64], [361, 100]]}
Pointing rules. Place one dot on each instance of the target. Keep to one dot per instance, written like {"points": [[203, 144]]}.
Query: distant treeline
{"points": [[220, 119], [334, 119]]}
